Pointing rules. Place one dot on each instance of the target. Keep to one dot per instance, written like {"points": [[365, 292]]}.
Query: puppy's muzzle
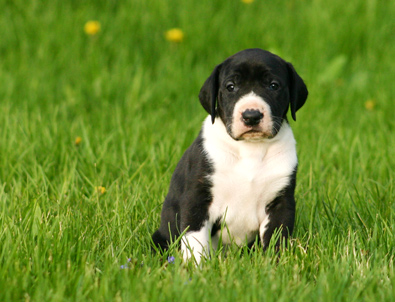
{"points": [[252, 117]]}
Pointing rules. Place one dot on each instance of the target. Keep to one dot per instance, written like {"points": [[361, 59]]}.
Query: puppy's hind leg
{"points": [[281, 218], [196, 244], [160, 241]]}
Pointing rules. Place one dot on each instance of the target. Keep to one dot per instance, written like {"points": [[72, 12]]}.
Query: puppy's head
{"points": [[251, 92]]}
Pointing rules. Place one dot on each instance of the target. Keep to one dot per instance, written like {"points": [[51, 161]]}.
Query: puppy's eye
{"points": [[274, 86], [230, 87]]}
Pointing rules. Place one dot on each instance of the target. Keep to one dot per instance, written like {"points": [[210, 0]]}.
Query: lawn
{"points": [[92, 125]]}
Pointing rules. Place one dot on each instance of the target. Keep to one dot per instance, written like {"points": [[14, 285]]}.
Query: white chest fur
{"points": [[247, 176]]}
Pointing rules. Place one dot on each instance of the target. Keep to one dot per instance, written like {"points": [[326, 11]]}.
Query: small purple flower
{"points": [[171, 259], [124, 266]]}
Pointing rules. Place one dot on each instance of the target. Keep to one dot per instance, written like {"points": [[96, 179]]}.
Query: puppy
{"points": [[239, 174]]}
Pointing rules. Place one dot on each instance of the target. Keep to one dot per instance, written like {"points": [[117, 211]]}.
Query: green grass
{"points": [[132, 98]]}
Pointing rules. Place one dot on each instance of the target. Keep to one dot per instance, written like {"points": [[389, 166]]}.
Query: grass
{"points": [[132, 98]]}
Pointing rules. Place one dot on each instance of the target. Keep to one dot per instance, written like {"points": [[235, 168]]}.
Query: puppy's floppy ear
{"points": [[209, 92], [297, 91]]}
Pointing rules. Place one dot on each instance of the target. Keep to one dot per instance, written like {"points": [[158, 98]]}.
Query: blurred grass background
{"points": [[130, 95]]}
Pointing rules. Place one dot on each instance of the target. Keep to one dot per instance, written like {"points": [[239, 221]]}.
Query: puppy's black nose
{"points": [[252, 117]]}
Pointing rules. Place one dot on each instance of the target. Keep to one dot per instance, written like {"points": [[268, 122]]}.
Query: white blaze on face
{"points": [[262, 130]]}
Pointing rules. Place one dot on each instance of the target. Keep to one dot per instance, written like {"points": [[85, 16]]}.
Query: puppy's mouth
{"points": [[255, 134]]}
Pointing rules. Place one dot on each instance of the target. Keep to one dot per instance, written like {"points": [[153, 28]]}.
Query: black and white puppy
{"points": [[240, 172]]}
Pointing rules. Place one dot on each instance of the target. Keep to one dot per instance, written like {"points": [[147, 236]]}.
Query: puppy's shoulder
{"points": [[194, 163]]}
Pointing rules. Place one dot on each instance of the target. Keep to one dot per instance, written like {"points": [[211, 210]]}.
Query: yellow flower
{"points": [[101, 189], [92, 27], [247, 1], [370, 104], [174, 35], [78, 141]]}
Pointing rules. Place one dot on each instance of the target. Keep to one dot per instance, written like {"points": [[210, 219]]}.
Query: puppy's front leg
{"points": [[195, 244]]}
